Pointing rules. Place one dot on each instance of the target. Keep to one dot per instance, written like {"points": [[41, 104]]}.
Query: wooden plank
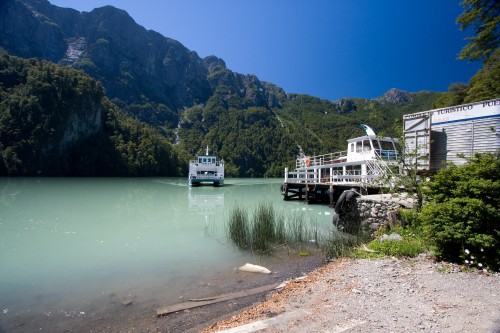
{"points": [[221, 298]]}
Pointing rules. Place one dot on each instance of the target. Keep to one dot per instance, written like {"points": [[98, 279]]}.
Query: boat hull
{"points": [[200, 182]]}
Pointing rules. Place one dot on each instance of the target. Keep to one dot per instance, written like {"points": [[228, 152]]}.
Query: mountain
{"points": [[192, 102], [108, 44]]}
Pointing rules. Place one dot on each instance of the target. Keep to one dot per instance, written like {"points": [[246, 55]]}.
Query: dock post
{"points": [[331, 196]]}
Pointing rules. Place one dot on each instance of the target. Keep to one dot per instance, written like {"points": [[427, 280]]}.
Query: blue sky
{"points": [[325, 48]]}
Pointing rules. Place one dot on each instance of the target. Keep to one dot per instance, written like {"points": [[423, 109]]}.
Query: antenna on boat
{"points": [[206, 151], [368, 129]]}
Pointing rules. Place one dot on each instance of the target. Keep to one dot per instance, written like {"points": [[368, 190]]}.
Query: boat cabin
{"points": [[371, 147]]}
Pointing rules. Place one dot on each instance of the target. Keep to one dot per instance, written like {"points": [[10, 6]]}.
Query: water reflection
{"points": [[203, 203]]}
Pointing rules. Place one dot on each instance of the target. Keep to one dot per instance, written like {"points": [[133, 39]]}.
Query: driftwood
{"points": [[211, 300]]}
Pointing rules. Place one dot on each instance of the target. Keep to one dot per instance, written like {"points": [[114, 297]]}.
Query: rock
{"points": [[396, 96], [127, 302], [391, 237], [254, 269]]}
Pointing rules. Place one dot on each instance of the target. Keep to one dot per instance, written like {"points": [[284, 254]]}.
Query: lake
{"points": [[71, 248]]}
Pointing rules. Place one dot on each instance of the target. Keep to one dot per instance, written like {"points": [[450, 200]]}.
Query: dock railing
{"points": [[320, 160]]}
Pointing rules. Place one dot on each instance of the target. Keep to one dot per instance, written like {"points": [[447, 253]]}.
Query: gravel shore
{"points": [[389, 295]]}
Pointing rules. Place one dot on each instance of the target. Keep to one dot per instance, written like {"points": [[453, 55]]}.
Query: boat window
{"points": [[359, 146], [387, 145], [366, 145], [376, 144], [352, 147]]}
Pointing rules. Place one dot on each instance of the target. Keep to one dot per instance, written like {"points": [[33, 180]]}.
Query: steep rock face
{"points": [[28, 33], [83, 121], [345, 105], [249, 88]]}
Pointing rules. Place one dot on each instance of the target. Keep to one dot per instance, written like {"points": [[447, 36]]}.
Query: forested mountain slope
{"points": [[55, 121]]}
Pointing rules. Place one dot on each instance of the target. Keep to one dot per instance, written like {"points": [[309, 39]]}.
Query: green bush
{"points": [[463, 211]]}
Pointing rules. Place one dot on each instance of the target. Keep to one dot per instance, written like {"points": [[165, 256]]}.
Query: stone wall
{"points": [[372, 211], [375, 213]]}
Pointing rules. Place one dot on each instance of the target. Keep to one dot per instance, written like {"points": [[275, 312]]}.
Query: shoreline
{"points": [[359, 295]]}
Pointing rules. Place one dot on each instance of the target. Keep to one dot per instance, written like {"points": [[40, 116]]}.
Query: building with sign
{"points": [[451, 134]]}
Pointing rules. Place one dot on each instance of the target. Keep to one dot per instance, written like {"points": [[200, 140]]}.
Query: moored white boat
{"points": [[206, 169], [369, 160]]}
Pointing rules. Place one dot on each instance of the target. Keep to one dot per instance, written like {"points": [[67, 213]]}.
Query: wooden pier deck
{"points": [[326, 193]]}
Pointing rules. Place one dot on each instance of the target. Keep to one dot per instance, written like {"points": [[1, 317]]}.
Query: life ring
{"points": [[308, 161]]}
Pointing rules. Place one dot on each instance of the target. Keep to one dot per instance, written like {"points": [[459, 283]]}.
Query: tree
{"points": [[484, 17]]}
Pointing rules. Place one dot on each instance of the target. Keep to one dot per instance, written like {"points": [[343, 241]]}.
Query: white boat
{"points": [[369, 161], [206, 169]]}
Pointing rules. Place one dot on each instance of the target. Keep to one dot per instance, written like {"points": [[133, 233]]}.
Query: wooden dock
{"points": [[325, 193]]}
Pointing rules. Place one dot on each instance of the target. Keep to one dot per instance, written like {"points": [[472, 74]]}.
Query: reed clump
{"points": [[267, 229], [239, 229]]}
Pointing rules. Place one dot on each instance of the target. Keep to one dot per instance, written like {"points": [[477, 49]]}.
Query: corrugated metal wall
{"points": [[417, 141], [463, 138]]}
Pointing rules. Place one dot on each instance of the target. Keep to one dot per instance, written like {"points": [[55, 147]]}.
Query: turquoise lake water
{"points": [[68, 245]]}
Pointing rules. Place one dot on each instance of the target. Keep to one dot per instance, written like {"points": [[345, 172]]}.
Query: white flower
{"points": [[467, 251], [472, 257], [466, 261], [480, 265]]}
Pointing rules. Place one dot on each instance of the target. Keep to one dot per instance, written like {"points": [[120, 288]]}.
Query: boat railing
{"points": [[320, 160], [350, 176], [196, 163], [387, 155]]}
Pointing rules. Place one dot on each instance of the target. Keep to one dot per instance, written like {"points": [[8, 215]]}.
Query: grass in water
{"points": [[263, 228], [239, 228], [266, 230]]}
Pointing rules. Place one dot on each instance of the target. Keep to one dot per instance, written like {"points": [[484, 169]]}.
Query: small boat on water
{"points": [[206, 169]]}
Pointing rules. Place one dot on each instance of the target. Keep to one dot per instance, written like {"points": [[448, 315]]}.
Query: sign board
{"points": [[464, 112]]}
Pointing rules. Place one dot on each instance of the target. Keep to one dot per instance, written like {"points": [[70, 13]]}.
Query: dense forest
{"points": [[55, 121]]}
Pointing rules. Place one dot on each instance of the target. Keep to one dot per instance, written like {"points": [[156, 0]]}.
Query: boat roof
{"points": [[372, 137]]}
